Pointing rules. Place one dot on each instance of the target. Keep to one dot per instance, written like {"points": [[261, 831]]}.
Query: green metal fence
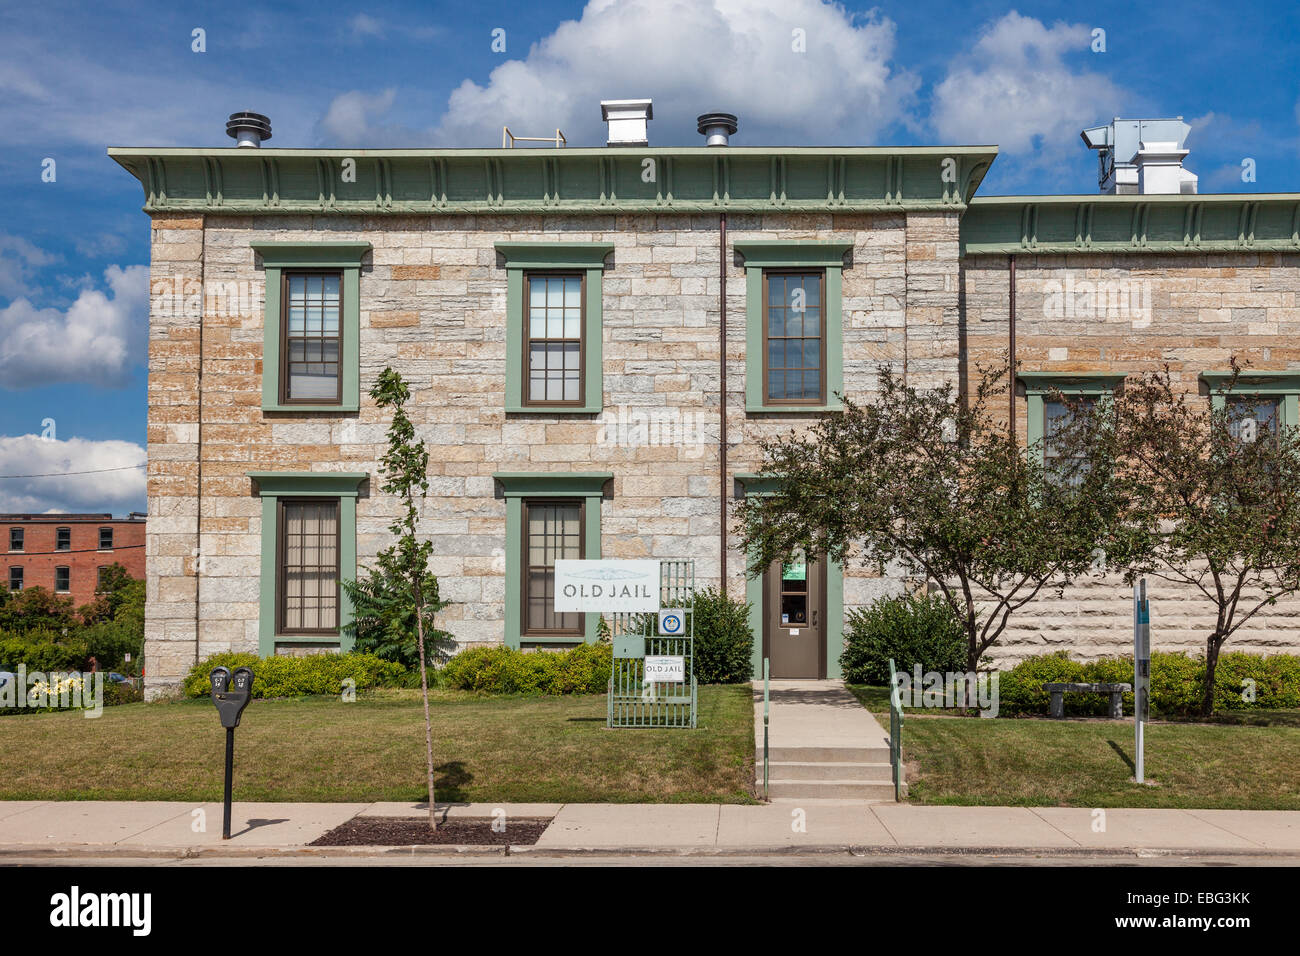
{"points": [[633, 701]]}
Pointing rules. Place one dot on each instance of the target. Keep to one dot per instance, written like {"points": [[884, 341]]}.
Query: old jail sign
{"points": [[606, 585]]}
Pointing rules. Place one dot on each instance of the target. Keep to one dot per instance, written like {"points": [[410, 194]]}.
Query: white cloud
{"points": [[363, 26], [117, 491], [18, 257], [348, 121], [96, 340], [1017, 90], [690, 57]]}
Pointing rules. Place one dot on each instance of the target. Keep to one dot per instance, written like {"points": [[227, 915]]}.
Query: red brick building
{"points": [[65, 552]]}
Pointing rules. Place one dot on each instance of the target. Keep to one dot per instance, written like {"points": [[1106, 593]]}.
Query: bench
{"points": [[1116, 692]]}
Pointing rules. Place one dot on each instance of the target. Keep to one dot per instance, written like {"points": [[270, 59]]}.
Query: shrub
{"points": [[41, 651], [724, 641], [294, 676], [1176, 681], [505, 670], [912, 629]]}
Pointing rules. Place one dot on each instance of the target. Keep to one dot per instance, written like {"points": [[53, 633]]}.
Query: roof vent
{"points": [[248, 129], [716, 128], [1142, 156], [627, 121]]}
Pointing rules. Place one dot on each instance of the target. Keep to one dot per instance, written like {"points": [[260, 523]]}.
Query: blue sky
{"points": [[77, 78]]}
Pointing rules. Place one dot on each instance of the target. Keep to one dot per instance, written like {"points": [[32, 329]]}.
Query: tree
{"points": [[35, 609], [113, 588], [400, 590], [935, 484], [1213, 500]]}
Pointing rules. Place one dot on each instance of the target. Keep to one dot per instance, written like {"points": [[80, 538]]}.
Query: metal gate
{"points": [[633, 701]]}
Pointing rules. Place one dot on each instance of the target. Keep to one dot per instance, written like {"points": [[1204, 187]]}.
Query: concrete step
{"points": [[832, 789], [822, 770], [831, 801], [825, 754]]}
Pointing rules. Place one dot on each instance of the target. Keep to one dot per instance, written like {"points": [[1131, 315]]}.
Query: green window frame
{"points": [[759, 485], [1039, 388], [517, 488], [1282, 385], [525, 259], [272, 486], [281, 258], [804, 256]]}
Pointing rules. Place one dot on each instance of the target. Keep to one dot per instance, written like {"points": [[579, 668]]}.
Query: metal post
{"points": [[767, 674], [1141, 676], [230, 769]]}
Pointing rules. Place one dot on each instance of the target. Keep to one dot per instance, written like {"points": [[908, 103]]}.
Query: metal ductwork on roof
{"points": [[248, 129], [627, 121], [1142, 156]]}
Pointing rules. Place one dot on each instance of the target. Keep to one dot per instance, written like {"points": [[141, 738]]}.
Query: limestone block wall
{"points": [[433, 305], [1128, 314]]}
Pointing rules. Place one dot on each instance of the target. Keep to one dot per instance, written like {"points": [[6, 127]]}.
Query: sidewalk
{"points": [[263, 829]]}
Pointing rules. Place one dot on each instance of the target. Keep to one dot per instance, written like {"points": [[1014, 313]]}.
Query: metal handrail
{"points": [[508, 139], [896, 730], [767, 673]]}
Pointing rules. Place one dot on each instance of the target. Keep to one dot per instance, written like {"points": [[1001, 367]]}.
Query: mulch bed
{"points": [[414, 831]]}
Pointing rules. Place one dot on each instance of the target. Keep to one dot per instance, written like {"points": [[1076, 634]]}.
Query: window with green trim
{"points": [[553, 326], [1258, 403], [794, 341], [311, 348], [1053, 401], [309, 546], [549, 515]]}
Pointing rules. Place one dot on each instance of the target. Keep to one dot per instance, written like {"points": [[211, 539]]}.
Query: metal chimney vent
{"points": [[1141, 156], [627, 121], [716, 128], [248, 129]]}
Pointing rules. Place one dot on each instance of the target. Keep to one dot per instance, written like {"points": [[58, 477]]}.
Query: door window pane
{"points": [[553, 529], [309, 562], [794, 590]]}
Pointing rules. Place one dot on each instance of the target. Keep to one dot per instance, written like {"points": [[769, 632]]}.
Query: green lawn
{"points": [[512, 749], [1248, 760]]}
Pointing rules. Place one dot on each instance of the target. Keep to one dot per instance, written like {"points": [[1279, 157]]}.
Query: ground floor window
{"points": [[309, 566], [552, 529], [62, 579], [15, 579]]}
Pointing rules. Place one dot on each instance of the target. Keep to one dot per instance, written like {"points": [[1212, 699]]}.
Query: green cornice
{"points": [[521, 484], [555, 255], [605, 180], [801, 252], [322, 255], [1039, 383], [1049, 225], [1281, 381], [330, 483]]}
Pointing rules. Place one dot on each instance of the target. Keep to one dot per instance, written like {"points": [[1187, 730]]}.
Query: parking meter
{"points": [[230, 694]]}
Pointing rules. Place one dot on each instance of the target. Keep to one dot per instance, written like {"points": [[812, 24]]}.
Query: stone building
{"points": [[559, 315]]}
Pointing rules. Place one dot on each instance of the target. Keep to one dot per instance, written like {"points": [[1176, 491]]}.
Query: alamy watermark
{"points": [[177, 297], [693, 430], [64, 690], [1114, 300], [977, 689]]}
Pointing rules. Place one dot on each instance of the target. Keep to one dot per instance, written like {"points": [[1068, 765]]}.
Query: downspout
{"points": [[1011, 350], [198, 488], [722, 398]]}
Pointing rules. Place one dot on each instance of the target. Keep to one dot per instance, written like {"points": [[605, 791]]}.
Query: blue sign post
{"points": [[1141, 675]]}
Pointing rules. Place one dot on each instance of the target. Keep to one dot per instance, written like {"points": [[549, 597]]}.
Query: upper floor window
{"points": [[63, 539], [794, 338], [312, 343], [16, 539], [62, 580], [555, 339], [99, 576], [105, 539]]}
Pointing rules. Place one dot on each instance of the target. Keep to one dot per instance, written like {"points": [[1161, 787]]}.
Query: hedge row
{"points": [[1176, 682], [503, 670], [294, 676]]}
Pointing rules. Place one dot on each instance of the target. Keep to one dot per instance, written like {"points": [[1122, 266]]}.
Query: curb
{"points": [[97, 851]]}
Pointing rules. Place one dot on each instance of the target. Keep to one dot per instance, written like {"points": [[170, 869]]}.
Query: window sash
{"points": [[63, 539], [106, 539], [307, 566], [794, 364], [16, 539], [553, 528], [1057, 415], [556, 334], [1250, 405], [311, 337], [15, 579], [62, 579]]}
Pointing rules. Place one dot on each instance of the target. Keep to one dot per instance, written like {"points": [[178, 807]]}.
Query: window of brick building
{"points": [[105, 539], [62, 580], [63, 539], [15, 578], [15, 539]]}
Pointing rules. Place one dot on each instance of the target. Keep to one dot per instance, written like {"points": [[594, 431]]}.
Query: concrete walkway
{"points": [[271, 829]]}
